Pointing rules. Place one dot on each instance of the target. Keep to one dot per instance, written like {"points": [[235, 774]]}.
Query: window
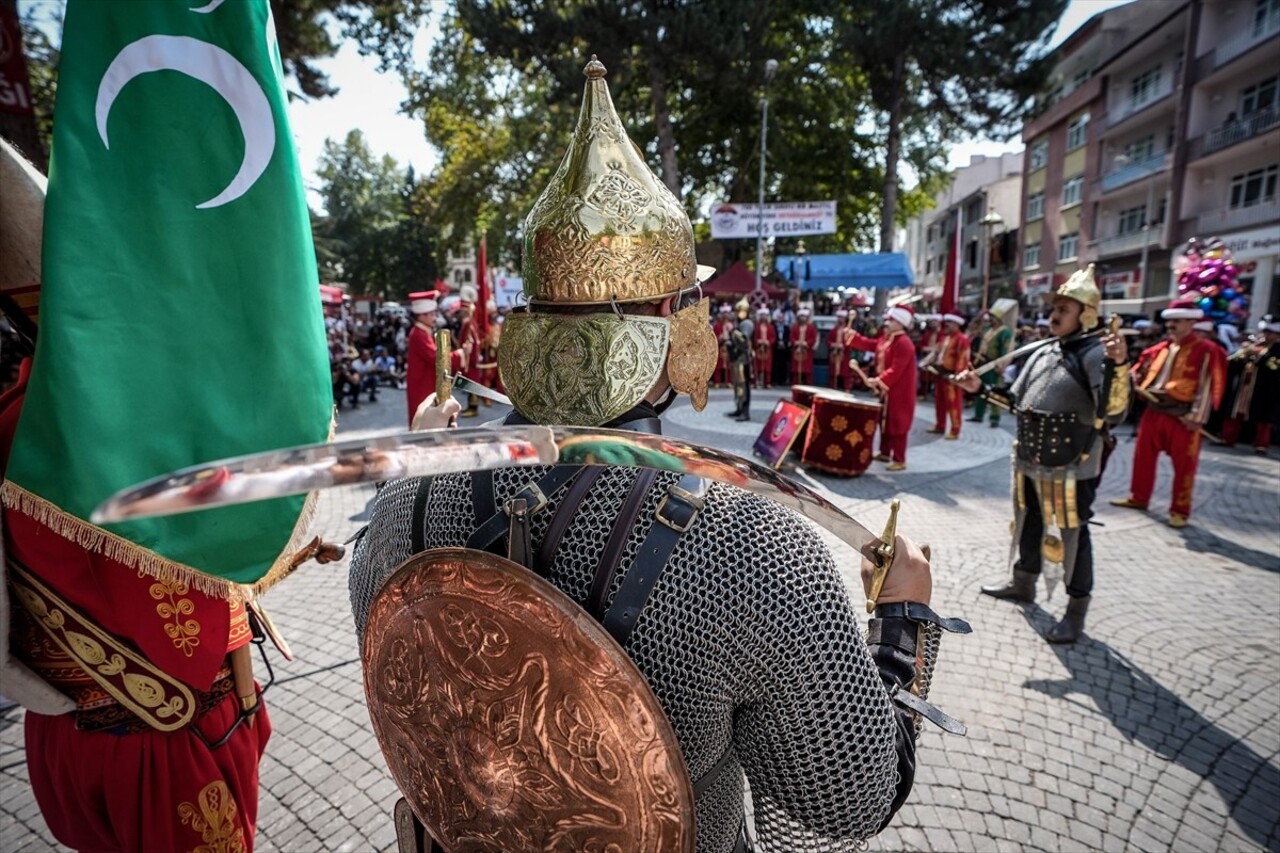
{"points": [[1072, 190], [971, 254], [1035, 207], [928, 266], [1078, 131], [1266, 15], [1252, 188], [973, 211], [1039, 154], [1080, 79], [1141, 150], [1258, 97], [1031, 257], [1143, 88], [1068, 246], [1131, 220]]}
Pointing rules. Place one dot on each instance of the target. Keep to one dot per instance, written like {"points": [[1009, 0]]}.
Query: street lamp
{"points": [[770, 68], [988, 223]]}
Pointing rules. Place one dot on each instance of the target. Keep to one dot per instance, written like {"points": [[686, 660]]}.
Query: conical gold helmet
{"points": [[1082, 289], [605, 233]]}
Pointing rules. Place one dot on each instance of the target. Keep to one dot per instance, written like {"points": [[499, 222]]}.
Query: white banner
{"points": [[505, 290], [788, 219]]}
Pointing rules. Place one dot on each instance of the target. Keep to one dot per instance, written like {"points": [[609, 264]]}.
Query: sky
{"points": [[371, 101]]}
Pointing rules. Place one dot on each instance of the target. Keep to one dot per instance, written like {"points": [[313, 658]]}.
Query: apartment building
{"points": [[986, 184], [1233, 141], [1163, 124], [1060, 185]]}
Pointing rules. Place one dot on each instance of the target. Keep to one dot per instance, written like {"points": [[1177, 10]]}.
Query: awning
{"points": [[330, 295], [737, 279], [881, 270]]}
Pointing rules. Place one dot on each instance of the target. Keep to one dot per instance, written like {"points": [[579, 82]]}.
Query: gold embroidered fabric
{"points": [[160, 701], [213, 815]]}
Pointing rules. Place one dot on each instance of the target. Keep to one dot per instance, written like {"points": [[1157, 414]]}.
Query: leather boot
{"points": [[1021, 588], [1072, 624]]}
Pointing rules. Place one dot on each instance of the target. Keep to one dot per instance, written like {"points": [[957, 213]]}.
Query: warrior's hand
{"points": [[1115, 349], [431, 415], [969, 381], [909, 578]]}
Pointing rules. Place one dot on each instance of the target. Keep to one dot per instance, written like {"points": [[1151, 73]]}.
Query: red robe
{"points": [[838, 356], [1189, 372], [103, 791], [420, 367], [953, 356], [804, 340], [896, 368]]}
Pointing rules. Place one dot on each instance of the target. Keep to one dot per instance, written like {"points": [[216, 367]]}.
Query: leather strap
{"points": [[932, 713], [917, 612], [677, 512], [519, 545], [893, 631], [564, 516], [418, 529], [536, 495], [706, 780], [483, 506], [611, 557]]}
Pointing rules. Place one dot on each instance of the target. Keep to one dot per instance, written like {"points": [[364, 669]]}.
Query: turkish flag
{"points": [[482, 281]]}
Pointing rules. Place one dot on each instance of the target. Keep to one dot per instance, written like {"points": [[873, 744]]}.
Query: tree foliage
{"points": [[373, 235]]}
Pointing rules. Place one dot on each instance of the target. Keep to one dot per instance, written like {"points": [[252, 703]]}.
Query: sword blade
{"points": [[463, 385], [297, 470]]}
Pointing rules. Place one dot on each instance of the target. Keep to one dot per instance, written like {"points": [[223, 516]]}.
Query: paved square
{"points": [[1159, 731]]}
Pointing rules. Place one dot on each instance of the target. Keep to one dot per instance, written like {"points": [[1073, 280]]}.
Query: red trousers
{"points": [[894, 446], [1261, 433], [148, 791], [1158, 432], [948, 401]]}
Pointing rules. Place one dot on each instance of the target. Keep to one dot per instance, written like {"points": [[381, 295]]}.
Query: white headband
{"points": [[902, 316]]}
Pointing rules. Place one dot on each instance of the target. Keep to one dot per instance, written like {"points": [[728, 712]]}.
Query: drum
{"points": [[803, 394], [841, 432]]}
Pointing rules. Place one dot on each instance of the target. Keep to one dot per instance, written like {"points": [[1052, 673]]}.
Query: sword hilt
{"points": [[882, 555]]}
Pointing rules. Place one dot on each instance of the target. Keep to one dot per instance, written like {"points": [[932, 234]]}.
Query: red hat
{"points": [[1183, 308], [424, 301], [902, 314]]}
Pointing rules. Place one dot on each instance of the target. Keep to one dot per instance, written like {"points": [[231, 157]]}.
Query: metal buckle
{"points": [[533, 493], [695, 503]]}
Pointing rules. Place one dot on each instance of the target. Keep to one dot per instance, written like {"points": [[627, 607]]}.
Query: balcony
{"points": [[1130, 172], [1128, 244], [1231, 218], [1248, 127], [1122, 111], [1243, 41]]}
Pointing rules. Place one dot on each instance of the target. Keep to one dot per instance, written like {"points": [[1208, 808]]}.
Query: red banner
{"points": [[15, 86]]}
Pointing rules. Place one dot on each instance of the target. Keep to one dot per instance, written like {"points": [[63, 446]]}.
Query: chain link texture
{"points": [[749, 642]]}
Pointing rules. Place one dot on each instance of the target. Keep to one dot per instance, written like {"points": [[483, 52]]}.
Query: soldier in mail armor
{"points": [[1065, 394], [730, 605]]}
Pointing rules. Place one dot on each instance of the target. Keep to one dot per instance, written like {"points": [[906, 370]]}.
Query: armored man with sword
{"points": [[587, 656], [1069, 390]]}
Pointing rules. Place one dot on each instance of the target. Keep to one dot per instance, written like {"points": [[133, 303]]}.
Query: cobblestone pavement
{"points": [[1159, 731]]}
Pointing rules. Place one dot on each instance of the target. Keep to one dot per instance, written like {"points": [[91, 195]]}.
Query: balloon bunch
{"points": [[1207, 271]]}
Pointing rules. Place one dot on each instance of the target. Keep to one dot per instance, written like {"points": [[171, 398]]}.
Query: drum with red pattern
{"points": [[842, 428], [803, 394]]}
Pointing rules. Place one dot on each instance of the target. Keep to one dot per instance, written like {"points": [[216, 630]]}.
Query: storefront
{"points": [[1257, 252]]}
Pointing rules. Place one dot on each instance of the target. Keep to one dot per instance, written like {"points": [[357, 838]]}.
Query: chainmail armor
{"points": [[749, 641]]}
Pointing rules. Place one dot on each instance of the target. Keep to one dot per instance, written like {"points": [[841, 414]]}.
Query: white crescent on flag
{"points": [[218, 69]]}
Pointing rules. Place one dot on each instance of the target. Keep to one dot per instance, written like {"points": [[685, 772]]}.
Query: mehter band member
{"points": [[804, 341], [895, 381], [952, 358], [1181, 380], [1064, 397], [421, 363], [1255, 369], [730, 605]]}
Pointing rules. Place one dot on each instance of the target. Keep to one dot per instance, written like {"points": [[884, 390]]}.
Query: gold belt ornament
{"points": [[162, 702]]}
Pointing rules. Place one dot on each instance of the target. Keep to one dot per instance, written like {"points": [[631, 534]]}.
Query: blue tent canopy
{"points": [[882, 270]]}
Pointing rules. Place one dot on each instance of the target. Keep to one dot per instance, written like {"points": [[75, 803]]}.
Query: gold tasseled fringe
{"points": [[113, 547]]}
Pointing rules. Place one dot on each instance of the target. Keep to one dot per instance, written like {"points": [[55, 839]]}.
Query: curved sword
{"points": [[297, 470]]}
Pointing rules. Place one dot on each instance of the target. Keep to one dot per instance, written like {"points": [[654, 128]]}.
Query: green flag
{"points": [[180, 317]]}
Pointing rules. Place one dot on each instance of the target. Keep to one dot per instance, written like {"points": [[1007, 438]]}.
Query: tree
{"points": [[939, 69], [371, 234]]}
